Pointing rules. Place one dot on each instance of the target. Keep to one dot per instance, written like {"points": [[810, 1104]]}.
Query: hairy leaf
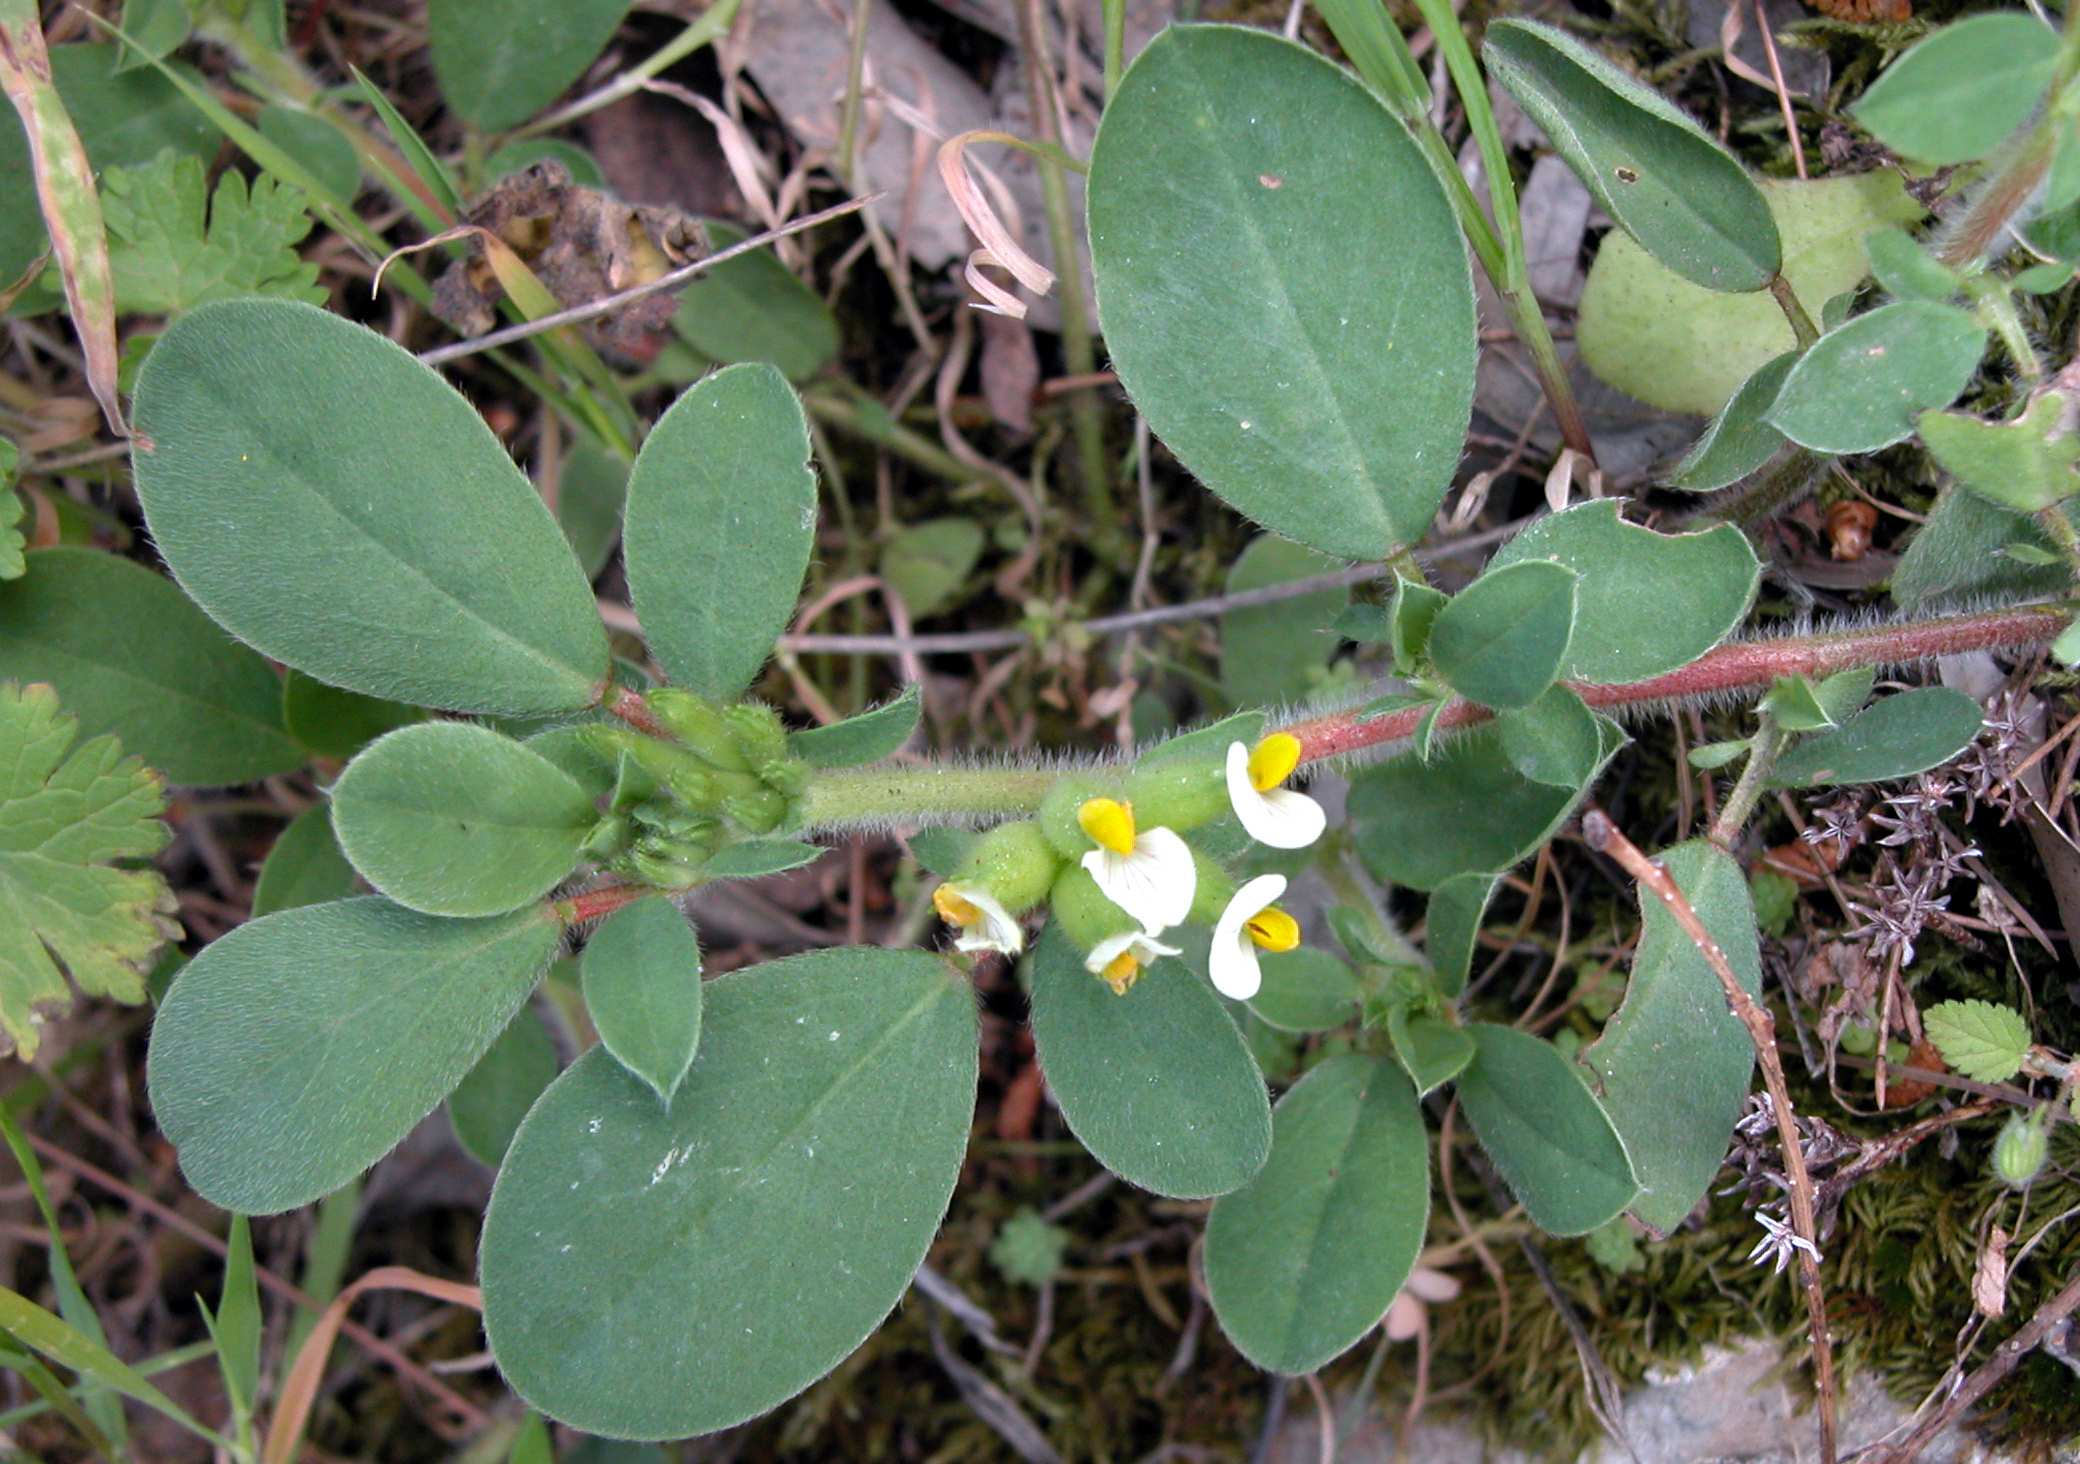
{"points": [[168, 259], [1981, 1040]]}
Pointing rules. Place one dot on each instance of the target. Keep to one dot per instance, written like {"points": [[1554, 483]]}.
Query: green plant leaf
{"points": [[487, 1105], [1467, 811], [1980, 1040], [525, 152], [66, 815], [1664, 180], [1674, 1062], [1157, 1084], [652, 1275], [1028, 1249], [1410, 614], [501, 61], [320, 146], [448, 818], [37, 1330], [425, 186], [1865, 383], [1957, 95], [156, 28], [721, 516], [2024, 465], [1739, 440], [123, 118], [306, 866], [1305, 1259], [1503, 638], [874, 734], [1209, 741], [130, 654], [1894, 737], [1453, 927], [1549, 1139], [429, 571], [1795, 704], [1306, 990], [642, 973], [1648, 602], [590, 499], [235, 1326], [1229, 177], [1966, 549], [1907, 271], [1432, 1052], [299, 1049], [166, 259], [1556, 740], [756, 858], [1654, 335], [752, 308], [928, 564], [1272, 653], [333, 722]]}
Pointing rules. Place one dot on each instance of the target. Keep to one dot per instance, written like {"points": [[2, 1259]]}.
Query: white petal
{"points": [[1233, 965], [1154, 883], [998, 931], [1280, 819], [1108, 950]]}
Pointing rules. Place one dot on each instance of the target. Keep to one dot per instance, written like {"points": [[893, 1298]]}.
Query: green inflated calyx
{"points": [[1082, 911], [699, 725], [1013, 864], [1058, 810], [1181, 793], [1212, 891]]}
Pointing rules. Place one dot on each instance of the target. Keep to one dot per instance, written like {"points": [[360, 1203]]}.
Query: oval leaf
{"points": [[487, 1105], [130, 654], [1452, 927], [752, 308], [1864, 384], [1552, 1144], [336, 723], [1673, 1063], [642, 974], [1229, 177], [1274, 653], [1306, 1258], [1502, 639], [1958, 94], [1157, 1084], [1649, 602], [406, 557], [501, 61], [453, 819], [1431, 1052], [1306, 990], [300, 1048], [867, 738], [1664, 180], [1901, 735], [756, 858], [1556, 740], [652, 1275], [1466, 811], [721, 514], [1739, 440]]}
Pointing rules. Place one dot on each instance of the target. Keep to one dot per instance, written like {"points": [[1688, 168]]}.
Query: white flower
{"points": [[1250, 922], [1117, 960], [1149, 873], [982, 922], [1270, 814]]}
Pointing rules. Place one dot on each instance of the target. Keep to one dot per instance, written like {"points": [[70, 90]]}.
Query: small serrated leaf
{"points": [[1981, 1040], [66, 814], [167, 257]]}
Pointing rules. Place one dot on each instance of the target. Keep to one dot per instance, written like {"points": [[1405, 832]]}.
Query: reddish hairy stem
{"points": [[1733, 667]]}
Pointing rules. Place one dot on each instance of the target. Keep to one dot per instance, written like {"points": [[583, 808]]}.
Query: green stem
{"points": [[1079, 353], [881, 796], [1754, 781], [1802, 325], [713, 24], [1115, 43], [2053, 521], [1996, 309], [866, 418], [855, 78], [1530, 323]]}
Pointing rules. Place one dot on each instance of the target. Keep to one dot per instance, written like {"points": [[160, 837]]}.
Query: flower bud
{"points": [[757, 732], [1178, 793], [685, 776], [1059, 809], [785, 776], [697, 723], [1013, 863], [759, 810], [2019, 1152]]}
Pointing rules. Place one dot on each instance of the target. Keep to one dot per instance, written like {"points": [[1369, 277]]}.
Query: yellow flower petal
{"points": [[1121, 972], [1273, 930], [1109, 822], [953, 909], [1273, 761]]}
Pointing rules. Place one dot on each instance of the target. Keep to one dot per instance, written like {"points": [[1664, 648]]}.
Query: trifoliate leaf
{"points": [[1981, 1040], [166, 260], [62, 904], [1029, 1249]]}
